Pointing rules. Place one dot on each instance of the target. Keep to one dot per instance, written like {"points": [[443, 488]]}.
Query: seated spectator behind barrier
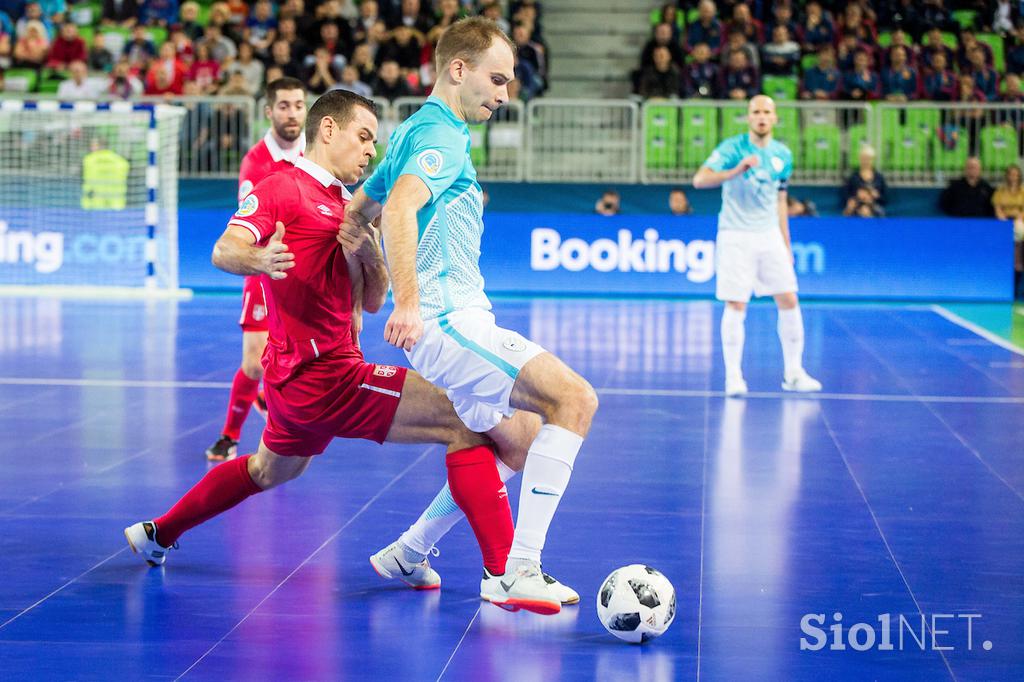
{"points": [[167, 74], [985, 77], [123, 13], [608, 204], [1015, 49], [700, 79], [932, 44], [678, 203], [34, 12], [324, 74], [261, 27], [738, 41], [707, 29], [781, 56], [31, 48], [204, 70], [823, 81], [739, 80], [77, 85], [900, 82], [661, 80], [861, 84], [866, 192], [818, 28], [662, 38], [122, 84], [99, 57], [492, 11], [969, 196], [281, 57], [1008, 201], [782, 15], [744, 22], [140, 48], [796, 208], [251, 68], [940, 85], [158, 12], [389, 83], [350, 81], [189, 16], [67, 48]]}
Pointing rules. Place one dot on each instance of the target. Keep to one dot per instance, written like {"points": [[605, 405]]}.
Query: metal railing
{"points": [[582, 140]]}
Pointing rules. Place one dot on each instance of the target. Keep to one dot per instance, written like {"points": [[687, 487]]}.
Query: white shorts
{"points": [[475, 361], [752, 263]]}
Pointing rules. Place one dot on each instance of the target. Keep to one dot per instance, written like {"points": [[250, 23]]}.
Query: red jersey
{"points": [[266, 157], [310, 311]]}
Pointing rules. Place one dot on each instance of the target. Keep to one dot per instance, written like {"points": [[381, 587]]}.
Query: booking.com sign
{"points": [[47, 252]]}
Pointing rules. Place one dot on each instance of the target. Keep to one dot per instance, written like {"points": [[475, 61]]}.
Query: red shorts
{"points": [[343, 397], [254, 307]]}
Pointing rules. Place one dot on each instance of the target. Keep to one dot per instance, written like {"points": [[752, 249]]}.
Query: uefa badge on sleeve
{"points": [[430, 162], [514, 343], [248, 206]]}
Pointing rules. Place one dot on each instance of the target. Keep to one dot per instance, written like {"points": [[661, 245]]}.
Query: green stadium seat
{"points": [[950, 158], [158, 34], [781, 88], [819, 117], [21, 80], [925, 121], [965, 17], [907, 149], [998, 147], [856, 135], [655, 16], [87, 33], [884, 39], [661, 136], [994, 41], [700, 133], [949, 39], [49, 86], [808, 61], [821, 149], [734, 120]]}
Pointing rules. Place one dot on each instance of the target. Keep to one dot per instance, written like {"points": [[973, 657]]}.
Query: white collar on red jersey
{"points": [[322, 175], [278, 154]]}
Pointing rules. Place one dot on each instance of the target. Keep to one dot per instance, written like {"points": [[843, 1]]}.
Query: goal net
{"points": [[88, 196]]}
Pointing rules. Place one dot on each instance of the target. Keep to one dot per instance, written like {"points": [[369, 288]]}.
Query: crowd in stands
{"points": [[895, 50], [127, 48]]}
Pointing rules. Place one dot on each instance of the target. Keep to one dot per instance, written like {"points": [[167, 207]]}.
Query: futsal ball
{"points": [[636, 603]]}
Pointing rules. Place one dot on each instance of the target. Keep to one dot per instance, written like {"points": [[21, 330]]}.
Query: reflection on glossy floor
{"points": [[897, 495]]}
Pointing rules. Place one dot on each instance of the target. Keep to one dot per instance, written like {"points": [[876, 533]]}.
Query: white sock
{"points": [[545, 477], [438, 518], [791, 334], [733, 335]]}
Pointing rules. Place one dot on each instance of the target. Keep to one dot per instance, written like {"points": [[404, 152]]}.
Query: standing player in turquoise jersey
{"points": [[500, 383], [753, 247]]}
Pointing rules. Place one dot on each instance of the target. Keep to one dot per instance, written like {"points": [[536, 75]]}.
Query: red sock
{"points": [[220, 489], [243, 391], [477, 489]]}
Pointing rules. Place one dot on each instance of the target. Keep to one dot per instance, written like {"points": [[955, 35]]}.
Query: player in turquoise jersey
{"points": [[753, 250], [534, 408]]}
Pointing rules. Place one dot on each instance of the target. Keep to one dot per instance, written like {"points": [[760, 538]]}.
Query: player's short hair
{"points": [[286, 83], [340, 105], [467, 39]]}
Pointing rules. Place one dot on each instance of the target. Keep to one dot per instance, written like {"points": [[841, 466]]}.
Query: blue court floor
{"points": [[895, 497]]}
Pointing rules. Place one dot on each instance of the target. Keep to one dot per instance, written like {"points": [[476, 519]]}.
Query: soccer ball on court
{"points": [[636, 603]]}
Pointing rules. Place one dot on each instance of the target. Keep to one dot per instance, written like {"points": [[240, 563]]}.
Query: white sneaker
{"points": [[565, 594], [142, 539], [419, 576], [801, 382], [524, 588], [735, 386]]}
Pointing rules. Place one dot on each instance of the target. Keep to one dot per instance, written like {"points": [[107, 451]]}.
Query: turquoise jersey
{"points": [[433, 145], [750, 201]]}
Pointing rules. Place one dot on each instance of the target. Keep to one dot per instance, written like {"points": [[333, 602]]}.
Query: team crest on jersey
{"points": [[324, 209], [244, 189], [248, 207], [385, 371], [259, 312], [514, 343], [778, 164], [430, 161]]}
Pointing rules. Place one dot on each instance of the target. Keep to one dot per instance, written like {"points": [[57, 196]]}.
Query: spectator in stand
{"points": [[529, 13], [330, 40], [1008, 203], [183, 46], [669, 14], [67, 48], [901, 39], [934, 13], [123, 84], [701, 76], [235, 85], [940, 85], [678, 203], [281, 57], [822, 81], [662, 38], [324, 74], [985, 77], [739, 80], [932, 44], [251, 68], [167, 74], [221, 47], [866, 192], [969, 196], [781, 56], [782, 15], [448, 12], [903, 14], [369, 14], [532, 53], [744, 22], [1012, 90], [737, 41], [900, 82], [123, 13], [350, 81], [853, 23], [1015, 49], [492, 10], [363, 61], [34, 12], [404, 47], [31, 49], [707, 29], [204, 71], [608, 204], [99, 57], [968, 42], [287, 30], [389, 84], [661, 80], [272, 74], [54, 10], [846, 51], [530, 83], [412, 15], [330, 12], [158, 12], [77, 85], [818, 28], [189, 16], [238, 12], [262, 28], [861, 84], [139, 49], [6, 50]]}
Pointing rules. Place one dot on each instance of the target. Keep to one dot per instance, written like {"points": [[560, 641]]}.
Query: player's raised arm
{"points": [[236, 252], [709, 178], [400, 229]]}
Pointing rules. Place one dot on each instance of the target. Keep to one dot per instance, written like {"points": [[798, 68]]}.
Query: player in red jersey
{"points": [[279, 149], [317, 384]]}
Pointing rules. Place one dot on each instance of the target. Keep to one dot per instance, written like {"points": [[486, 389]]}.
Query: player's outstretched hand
{"points": [[404, 328], [275, 257], [357, 240]]}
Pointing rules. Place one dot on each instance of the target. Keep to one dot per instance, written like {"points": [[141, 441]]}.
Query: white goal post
{"points": [[89, 198]]}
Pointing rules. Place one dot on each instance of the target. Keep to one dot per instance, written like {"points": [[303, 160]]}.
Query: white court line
{"points": [[111, 383], [984, 333], [449, 662], [307, 560]]}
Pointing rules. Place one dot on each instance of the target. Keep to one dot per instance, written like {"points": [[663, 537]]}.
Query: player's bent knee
{"points": [[253, 370]]}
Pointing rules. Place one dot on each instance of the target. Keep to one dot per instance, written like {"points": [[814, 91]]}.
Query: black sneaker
{"points": [[224, 449]]}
